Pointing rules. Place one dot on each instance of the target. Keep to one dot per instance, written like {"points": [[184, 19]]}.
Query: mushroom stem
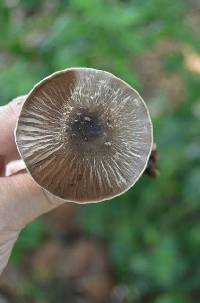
{"points": [[151, 169]]}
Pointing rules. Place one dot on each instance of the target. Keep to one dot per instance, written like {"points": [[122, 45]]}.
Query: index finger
{"points": [[8, 118]]}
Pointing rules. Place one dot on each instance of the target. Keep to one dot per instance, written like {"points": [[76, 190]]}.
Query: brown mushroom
{"points": [[84, 135]]}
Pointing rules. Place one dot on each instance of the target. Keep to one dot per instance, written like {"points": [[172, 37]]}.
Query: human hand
{"points": [[21, 199]]}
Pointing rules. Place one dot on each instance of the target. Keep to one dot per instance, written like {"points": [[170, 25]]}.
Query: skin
{"points": [[21, 199]]}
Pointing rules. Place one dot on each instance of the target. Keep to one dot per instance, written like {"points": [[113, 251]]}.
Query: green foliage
{"points": [[153, 231], [30, 238], [29, 292]]}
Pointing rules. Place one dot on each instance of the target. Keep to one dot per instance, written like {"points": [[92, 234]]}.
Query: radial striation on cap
{"points": [[84, 134]]}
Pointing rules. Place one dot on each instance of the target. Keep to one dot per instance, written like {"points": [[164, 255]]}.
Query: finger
{"points": [[8, 118], [14, 167], [22, 200]]}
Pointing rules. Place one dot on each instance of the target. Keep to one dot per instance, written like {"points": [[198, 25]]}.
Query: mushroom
{"points": [[84, 135]]}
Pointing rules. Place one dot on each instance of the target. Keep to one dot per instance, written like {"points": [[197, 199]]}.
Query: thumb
{"points": [[22, 200], [7, 240]]}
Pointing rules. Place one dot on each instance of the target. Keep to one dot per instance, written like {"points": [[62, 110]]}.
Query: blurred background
{"points": [[145, 245]]}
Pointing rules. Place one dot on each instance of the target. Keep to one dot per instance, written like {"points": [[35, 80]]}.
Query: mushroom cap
{"points": [[84, 135]]}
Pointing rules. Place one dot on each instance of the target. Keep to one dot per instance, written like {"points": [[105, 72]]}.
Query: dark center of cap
{"points": [[86, 126]]}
